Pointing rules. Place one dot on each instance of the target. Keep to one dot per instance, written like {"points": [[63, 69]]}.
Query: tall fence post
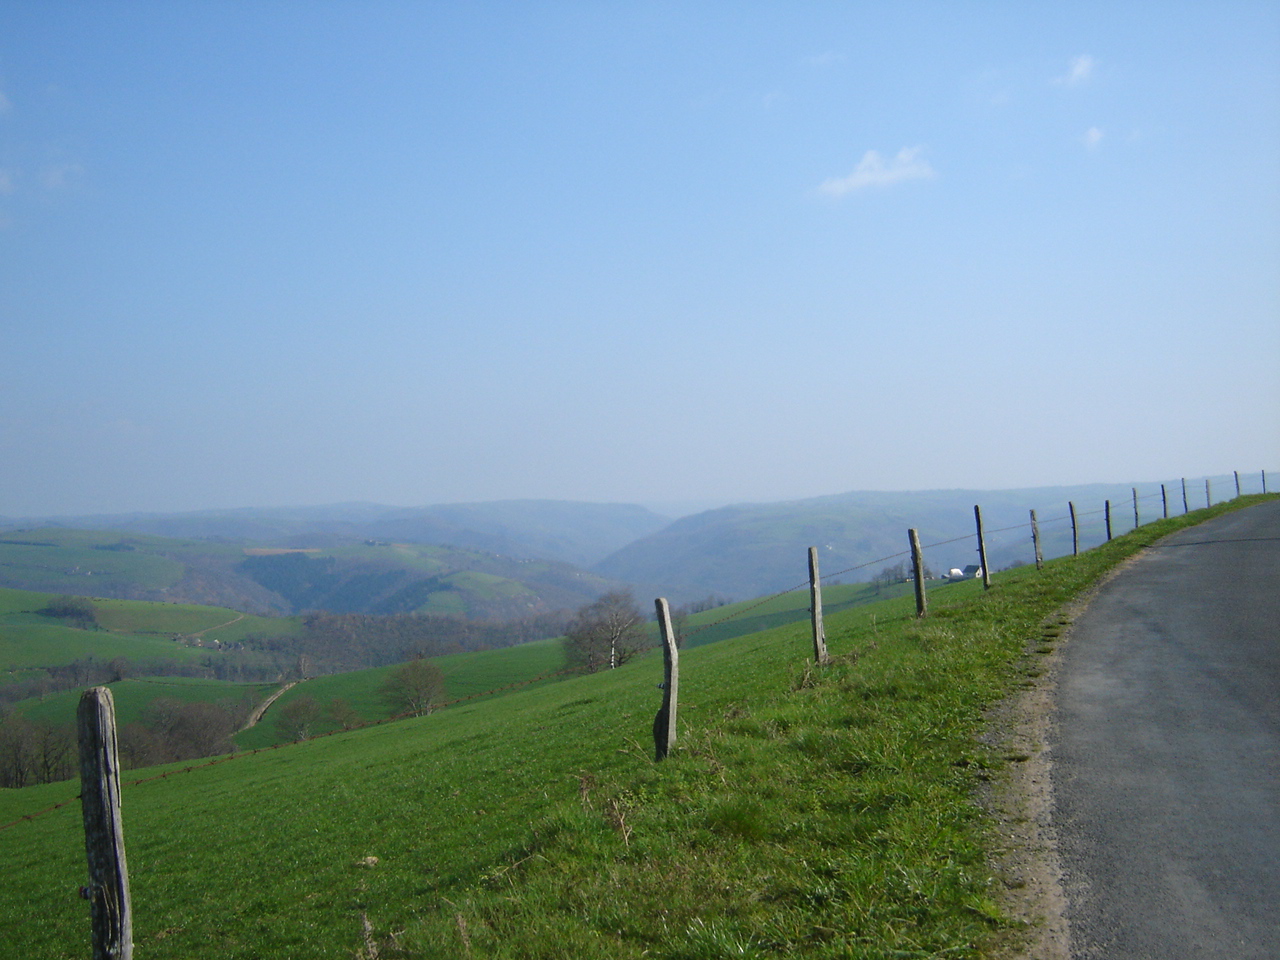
{"points": [[1208, 497], [917, 565], [110, 910], [1164, 500], [1108, 512], [1136, 522], [815, 609], [1035, 541], [1186, 507], [664, 724], [1237, 473], [1075, 530], [982, 548]]}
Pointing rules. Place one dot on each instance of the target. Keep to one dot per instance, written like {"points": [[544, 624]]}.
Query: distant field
{"points": [[133, 697], [466, 675], [74, 561], [827, 813], [137, 629]]}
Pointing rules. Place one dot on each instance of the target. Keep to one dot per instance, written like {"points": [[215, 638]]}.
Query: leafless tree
{"points": [[606, 633], [414, 687]]}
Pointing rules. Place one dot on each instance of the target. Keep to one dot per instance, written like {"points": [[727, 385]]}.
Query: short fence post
{"points": [[1208, 497], [1136, 522], [982, 548], [815, 609], [1186, 507], [1035, 541], [1237, 473], [1164, 500], [110, 910], [664, 724], [917, 565], [1108, 511], [1075, 530]]}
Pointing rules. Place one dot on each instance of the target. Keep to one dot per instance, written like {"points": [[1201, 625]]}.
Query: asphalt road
{"points": [[1166, 759]]}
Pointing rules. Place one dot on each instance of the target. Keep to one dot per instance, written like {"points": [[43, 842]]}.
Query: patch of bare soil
{"points": [[1020, 802], [1019, 798]]}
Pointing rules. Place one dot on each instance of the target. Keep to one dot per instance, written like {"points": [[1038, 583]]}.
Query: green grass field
{"points": [[132, 697], [817, 812], [137, 629]]}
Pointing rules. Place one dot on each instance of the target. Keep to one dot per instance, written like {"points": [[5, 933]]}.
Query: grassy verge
{"points": [[805, 812]]}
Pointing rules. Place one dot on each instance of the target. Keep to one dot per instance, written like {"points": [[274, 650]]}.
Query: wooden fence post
{"points": [[982, 548], [1237, 473], [917, 565], [1208, 497], [1075, 530], [815, 609], [1186, 507], [664, 724], [110, 911], [1264, 481], [1136, 522], [1164, 500], [1108, 511], [1035, 541]]}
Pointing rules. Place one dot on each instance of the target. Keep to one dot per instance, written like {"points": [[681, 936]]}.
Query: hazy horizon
{"points": [[633, 253]]}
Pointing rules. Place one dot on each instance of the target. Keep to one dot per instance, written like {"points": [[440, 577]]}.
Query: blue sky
{"points": [[258, 254]]}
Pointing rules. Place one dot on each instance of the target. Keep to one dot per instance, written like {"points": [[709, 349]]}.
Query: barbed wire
{"points": [[216, 761]]}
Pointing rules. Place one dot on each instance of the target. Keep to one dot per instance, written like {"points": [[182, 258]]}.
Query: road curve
{"points": [[1166, 771]]}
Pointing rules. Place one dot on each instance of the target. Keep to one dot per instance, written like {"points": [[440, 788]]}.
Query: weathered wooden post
{"points": [[982, 548], [1075, 530], [1164, 500], [1237, 473], [1208, 497], [110, 912], [1264, 481], [1186, 507], [1108, 512], [1035, 541], [815, 609], [664, 724], [1136, 522], [917, 566]]}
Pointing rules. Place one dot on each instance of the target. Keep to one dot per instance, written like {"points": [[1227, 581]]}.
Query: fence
{"points": [[108, 891]]}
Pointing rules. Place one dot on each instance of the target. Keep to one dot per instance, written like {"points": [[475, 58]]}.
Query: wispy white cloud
{"points": [[1093, 137], [874, 171], [1079, 71], [61, 176], [823, 61]]}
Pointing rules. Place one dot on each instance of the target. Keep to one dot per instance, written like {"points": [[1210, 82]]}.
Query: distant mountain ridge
{"points": [[737, 552], [750, 550], [577, 533]]}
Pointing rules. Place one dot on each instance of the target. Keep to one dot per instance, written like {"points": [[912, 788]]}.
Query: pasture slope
{"points": [[806, 811]]}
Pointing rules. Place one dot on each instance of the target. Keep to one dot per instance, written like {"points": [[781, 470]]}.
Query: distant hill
{"points": [[319, 572], [753, 549], [575, 533]]}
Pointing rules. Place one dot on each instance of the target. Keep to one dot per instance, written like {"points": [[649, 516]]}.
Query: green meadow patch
{"points": [[807, 811]]}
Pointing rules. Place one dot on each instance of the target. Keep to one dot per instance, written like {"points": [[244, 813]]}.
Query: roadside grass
{"points": [[806, 811], [751, 616]]}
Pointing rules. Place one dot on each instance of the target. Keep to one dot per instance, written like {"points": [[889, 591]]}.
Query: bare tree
{"points": [[296, 717], [607, 632], [414, 687]]}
